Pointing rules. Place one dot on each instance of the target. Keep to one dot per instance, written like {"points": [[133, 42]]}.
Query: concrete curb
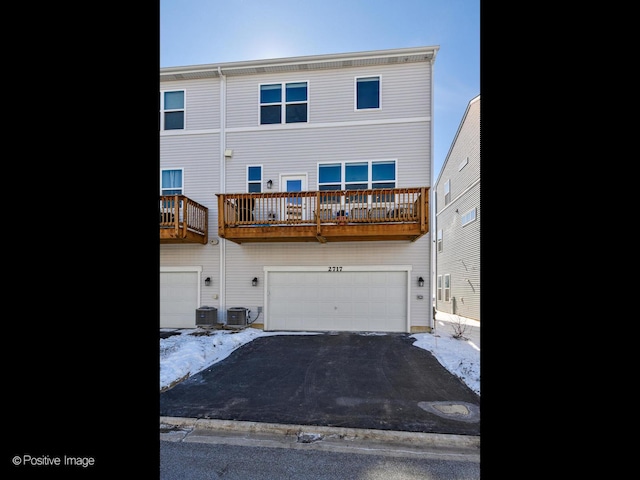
{"points": [[416, 439]]}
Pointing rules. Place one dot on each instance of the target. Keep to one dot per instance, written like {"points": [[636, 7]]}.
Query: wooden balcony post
{"points": [[222, 213]]}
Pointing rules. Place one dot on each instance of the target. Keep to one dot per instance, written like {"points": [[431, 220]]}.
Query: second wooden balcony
{"points": [[324, 216], [182, 220]]}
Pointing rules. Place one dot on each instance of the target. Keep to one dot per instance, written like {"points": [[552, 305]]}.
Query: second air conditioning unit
{"points": [[237, 317]]}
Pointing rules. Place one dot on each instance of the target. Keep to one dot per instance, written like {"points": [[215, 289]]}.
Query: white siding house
{"points": [[339, 122], [457, 221]]}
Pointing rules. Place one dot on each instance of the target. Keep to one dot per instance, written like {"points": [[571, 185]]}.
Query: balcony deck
{"points": [[324, 216], [182, 221]]}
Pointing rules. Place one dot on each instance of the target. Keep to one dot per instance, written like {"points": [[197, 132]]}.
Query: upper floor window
{"points": [[367, 93], [283, 103], [439, 241], [254, 178], [171, 182], [447, 192], [172, 110]]}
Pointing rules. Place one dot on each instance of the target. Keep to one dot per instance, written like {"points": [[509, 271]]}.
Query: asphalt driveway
{"points": [[350, 380]]}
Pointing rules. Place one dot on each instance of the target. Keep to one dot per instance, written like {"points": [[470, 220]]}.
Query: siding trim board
{"points": [[357, 123]]}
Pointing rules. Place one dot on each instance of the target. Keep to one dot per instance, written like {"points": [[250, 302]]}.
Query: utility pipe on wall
{"points": [[223, 182]]}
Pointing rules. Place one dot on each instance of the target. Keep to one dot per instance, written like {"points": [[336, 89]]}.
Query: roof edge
{"points": [[227, 67]]}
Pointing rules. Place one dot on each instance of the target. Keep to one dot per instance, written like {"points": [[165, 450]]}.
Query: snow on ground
{"points": [[193, 350]]}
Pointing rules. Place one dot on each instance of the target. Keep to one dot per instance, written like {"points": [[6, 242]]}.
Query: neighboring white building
{"points": [[457, 221], [279, 135]]}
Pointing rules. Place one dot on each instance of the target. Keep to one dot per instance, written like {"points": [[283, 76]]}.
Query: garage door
{"points": [[373, 301], [178, 299]]}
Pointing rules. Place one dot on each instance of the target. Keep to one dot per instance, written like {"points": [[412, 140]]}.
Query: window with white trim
{"points": [[439, 287], [172, 110], [468, 217], [283, 103], [357, 176], [254, 178], [447, 287], [447, 192], [171, 181], [367, 93], [439, 241]]}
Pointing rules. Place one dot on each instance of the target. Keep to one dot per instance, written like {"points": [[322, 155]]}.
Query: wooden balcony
{"points": [[324, 216], [182, 220]]}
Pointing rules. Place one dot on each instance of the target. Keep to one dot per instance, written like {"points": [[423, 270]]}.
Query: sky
{"points": [[186, 354], [194, 32]]}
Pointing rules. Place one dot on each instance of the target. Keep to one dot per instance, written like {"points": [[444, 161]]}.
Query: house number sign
{"points": [[335, 269]]}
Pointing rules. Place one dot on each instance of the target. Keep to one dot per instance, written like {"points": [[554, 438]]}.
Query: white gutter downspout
{"points": [[222, 313], [432, 320]]}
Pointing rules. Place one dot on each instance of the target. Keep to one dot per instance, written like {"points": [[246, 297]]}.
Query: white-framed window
{"points": [[439, 241], [172, 110], [254, 178], [171, 181], [468, 217], [447, 192], [284, 103], [439, 287], [447, 287], [368, 93], [360, 175]]}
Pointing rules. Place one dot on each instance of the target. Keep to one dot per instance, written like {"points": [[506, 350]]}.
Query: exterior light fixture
{"points": [[207, 281], [269, 184], [421, 282], [254, 282]]}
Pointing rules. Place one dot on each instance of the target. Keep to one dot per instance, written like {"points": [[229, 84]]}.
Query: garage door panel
{"points": [[342, 301], [178, 299]]}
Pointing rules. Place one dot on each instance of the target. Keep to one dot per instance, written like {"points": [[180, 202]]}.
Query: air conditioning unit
{"points": [[206, 316], [237, 317]]}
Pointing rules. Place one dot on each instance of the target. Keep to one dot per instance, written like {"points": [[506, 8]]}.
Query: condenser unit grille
{"points": [[206, 316], [237, 317]]}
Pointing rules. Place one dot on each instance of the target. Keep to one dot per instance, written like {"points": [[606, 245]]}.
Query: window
{"points": [[172, 110], [358, 176], [468, 217], [439, 241], [294, 105], [447, 192], [447, 287], [254, 178], [171, 182], [367, 93], [439, 287]]}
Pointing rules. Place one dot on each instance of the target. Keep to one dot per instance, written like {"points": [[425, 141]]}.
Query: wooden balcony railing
{"points": [[336, 215], [182, 220]]}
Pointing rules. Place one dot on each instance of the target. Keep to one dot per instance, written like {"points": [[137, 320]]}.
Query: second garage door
{"points": [[178, 299], [373, 301]]}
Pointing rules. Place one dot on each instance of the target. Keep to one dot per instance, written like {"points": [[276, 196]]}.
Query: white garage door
{"points": [[372, 301], [178, 299]]}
